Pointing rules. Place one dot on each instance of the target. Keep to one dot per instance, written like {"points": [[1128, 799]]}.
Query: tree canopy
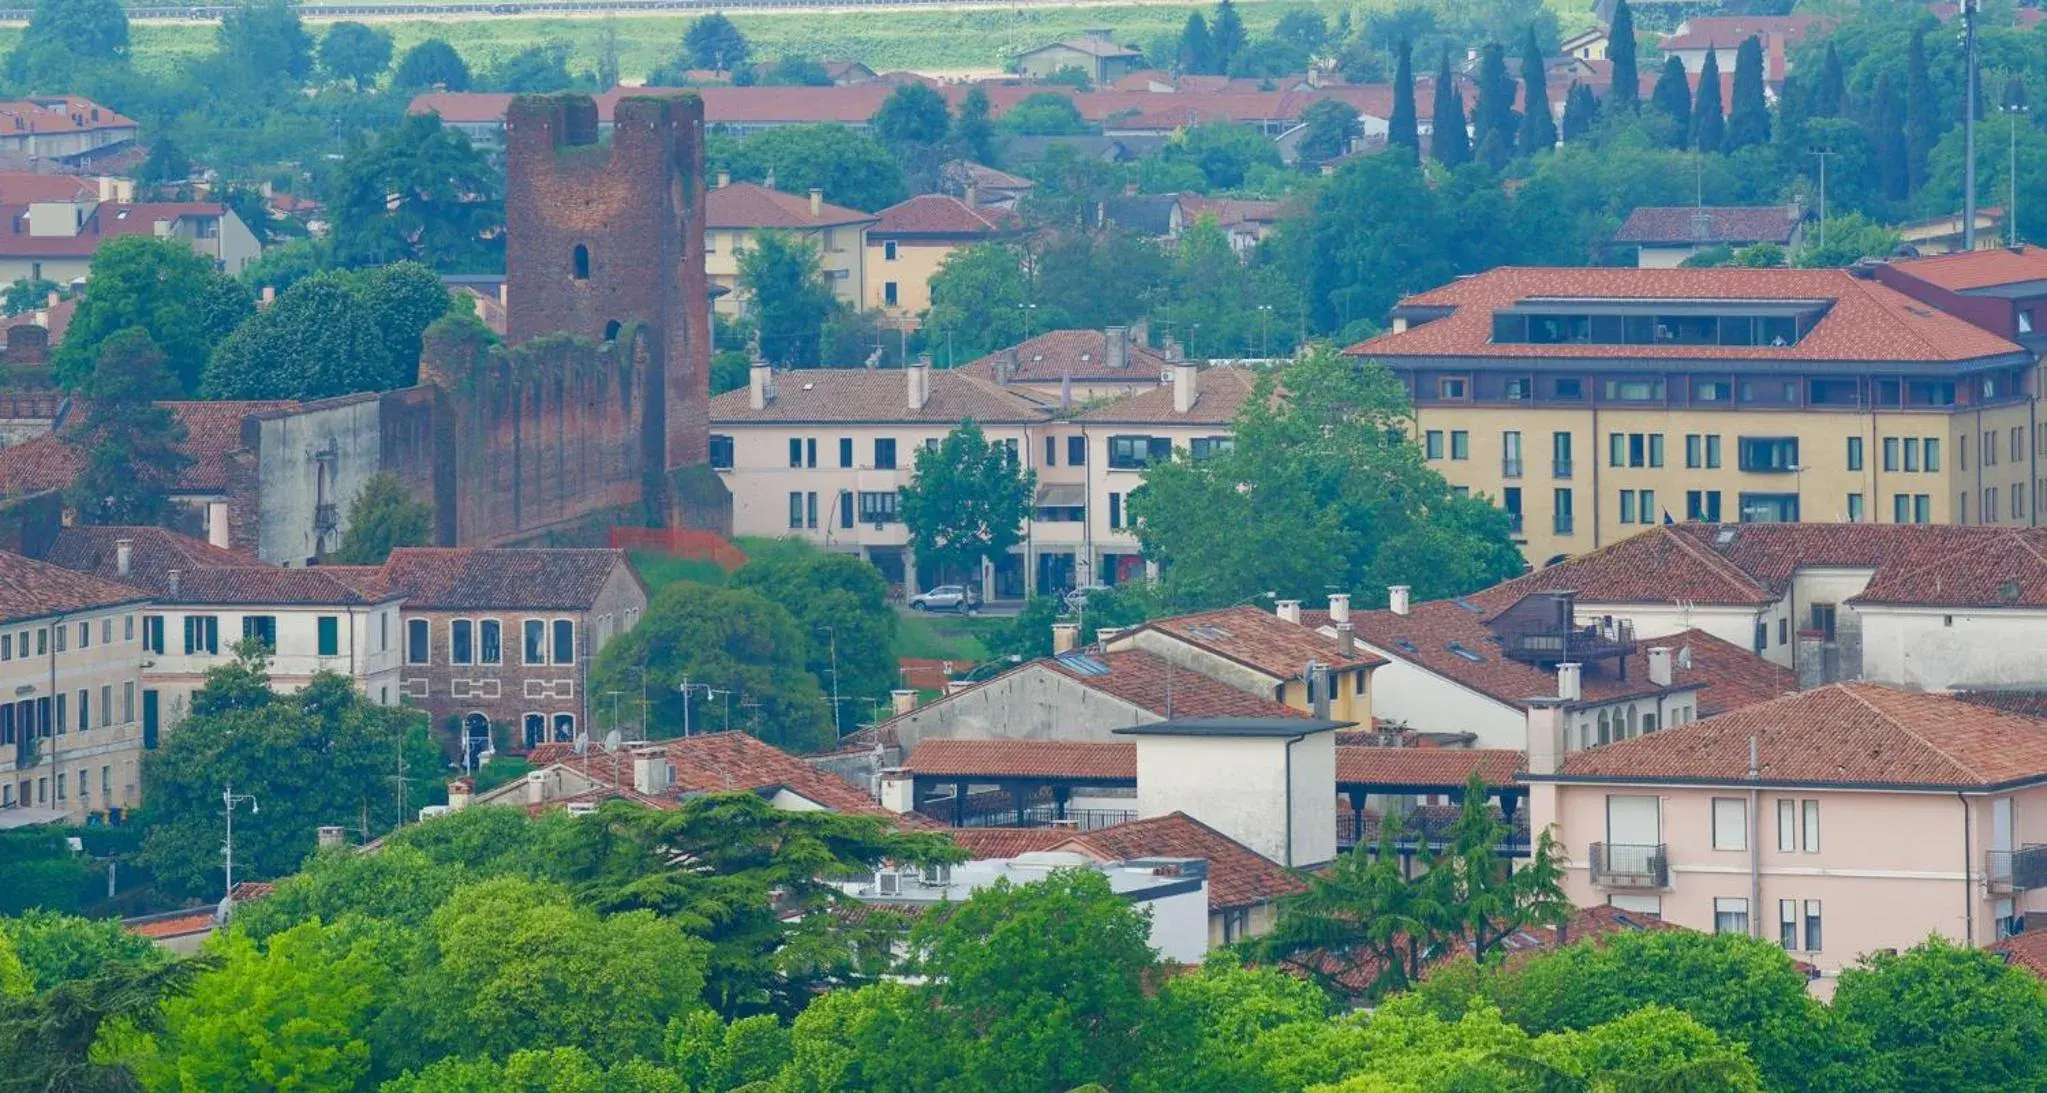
{"points": [[967, 502]]}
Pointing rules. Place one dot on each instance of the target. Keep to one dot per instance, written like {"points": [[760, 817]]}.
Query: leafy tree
{"points": [[1201, 1026], [400, 884], [1581, 110], [432, 63], [1620, 51], [418, 191], [1848, 239], [1493, 120], [1028, 636], [1197, 53], [1402, 131], [1925, 117], [355, 52], [972, 130], [1224, 151], [317, 340], [1332, 124], [782, 277], [1227, 307], [967, 502], [24, 296], [1448, 139], [1709, 122], [913, 114], [403, 299], [536, 70], [713, 42], [559, 1070], [1749, 121], [1830, 93], [1947, 1016], [974, 303], [133, 456], [383, 516], [852, 168], [1367, 518], [52, 1040], [1891, 141], [1764, 255], [842, 602], [1048, 114], [1672, 99], [160, 285], [265, 39], [55, 948], [1538, 128], [711, 1054], [1302, 28], [62, 34], [735, 642], [1072, 76], [792, 70]]}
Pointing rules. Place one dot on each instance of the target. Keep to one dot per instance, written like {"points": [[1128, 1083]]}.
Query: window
{"points": [[845, 508], [1560, 455], [564, 641], [1712, 391], [888, 291], [795, 508], [721, 452], [1787, 824], [1627, 506], [810, 510], [1932, 453], [1460, 444], [1989, 448], [1730, 823], [582, 261], [1510, 454], [1769, 508], [2018, 443], [1769, 454], [1640, 390], [461, 642], [1812, 925], [888, 250], [1617, 450], [1051, 451], [1922, 508], [564, 726], [1656, 449], [536, 641], [1561, 520], [1990, 504], [1787, 923], [884, 453], [1648, 509], [85, 635], [1432, 446], [84, 709], [1134, 452], [492, 633], [202, 634], [263, 628], [383, 630], [106, 704], [328, 630], [1116, 510], [1810, 811], [1510, 501], [1703, 505], [1855, 452], [796, 451], [1695, 451], [1824, 619], [878, 507], [1202, 447], [1730, 915], [1855, 515], [1452, 387], [1076, 451], [416, 644]]}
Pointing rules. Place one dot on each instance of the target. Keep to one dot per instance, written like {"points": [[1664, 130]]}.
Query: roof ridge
{"points": [[1856, 693], [1725, 566]]}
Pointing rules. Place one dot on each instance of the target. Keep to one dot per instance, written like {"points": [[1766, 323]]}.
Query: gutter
{"points": [[1976, 790], [1968, 879]]}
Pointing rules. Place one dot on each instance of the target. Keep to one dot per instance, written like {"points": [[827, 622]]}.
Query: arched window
{"points": [[475, 735], [611, 331], [564, 726], [1634, 729], [582, 262], [536, 730], [1605, 728]]}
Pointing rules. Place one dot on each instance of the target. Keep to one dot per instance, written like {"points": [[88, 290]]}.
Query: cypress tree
{"points": [[1830, 94], [1673, 99], [1538, 126], [1197, 51], [1709, 122], [1626, 91], [1748, 123], [1448, 139], [1923, 117], [1579, 108], [1493, 122], [1225, 35], [1402, 130], [1888, 138]]}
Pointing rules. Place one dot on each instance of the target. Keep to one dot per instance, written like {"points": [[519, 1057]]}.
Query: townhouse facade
{"points": [[735, 213], [910, 241], [55, 240], [71, 662]]}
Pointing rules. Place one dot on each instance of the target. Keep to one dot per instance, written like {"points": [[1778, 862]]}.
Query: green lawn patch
{"points": [[944, 637]]}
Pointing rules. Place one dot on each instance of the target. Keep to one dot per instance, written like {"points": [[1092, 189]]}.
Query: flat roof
{"points": [[1268, 727]]}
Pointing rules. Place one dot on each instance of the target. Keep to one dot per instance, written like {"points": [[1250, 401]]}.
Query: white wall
{"points": [[1238, 786], [1934, 649], [371, 640], [1427, 702], [115, 664], [1179, 925]]}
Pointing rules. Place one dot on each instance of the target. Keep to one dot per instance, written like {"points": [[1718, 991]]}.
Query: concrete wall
{"points": [[1030, 703], [322, 454], [1239, 786], [1426, 702], [1221, 669], [911, 271], [1936, 649]]}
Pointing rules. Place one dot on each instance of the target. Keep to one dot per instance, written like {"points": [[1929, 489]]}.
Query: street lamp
{"points": [[1026, 310], [1264, 337], [833, 634], [228, 800], [2014, 105]]}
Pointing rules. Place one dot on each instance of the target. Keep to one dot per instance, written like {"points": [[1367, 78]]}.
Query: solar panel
{"points": [[1082, 664]]}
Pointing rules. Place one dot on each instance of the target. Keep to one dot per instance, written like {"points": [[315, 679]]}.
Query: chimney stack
{"points": [[1290, 610], [216, 524], [269, 295], [1659, 665], [919, 375], [816, 202], [760, 385], [1317, 676], [1185, 379], [124, 556], [1545, 735], [1116, 347], [536, 787], [460, 792], [1065, 636], [1339, 607], [1347, 639], [973, 198], [328, 836], [1570, 679], [724, 179], [174, 578], [1397, 598], [1005, 365], [901, 701], [650, 775]]}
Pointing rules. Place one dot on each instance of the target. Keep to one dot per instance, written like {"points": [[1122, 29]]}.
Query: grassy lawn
{"points": [[944, 637]]}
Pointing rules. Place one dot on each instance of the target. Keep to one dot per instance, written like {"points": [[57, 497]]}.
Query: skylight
{"points": [[1082, 664]]}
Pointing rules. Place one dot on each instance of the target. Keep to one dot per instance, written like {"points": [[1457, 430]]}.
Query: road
{"points": [[400, 10]]}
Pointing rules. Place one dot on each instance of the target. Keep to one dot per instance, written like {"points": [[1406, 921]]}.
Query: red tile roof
{"points": [[53, 461], [1238, 876], [2000, 570], [157, 929], [206, 573], [1147, 681], [1427, 766], [720, 762], [106, 221], [461, 578], [1866, 322], [1966, 270], [1738, 224], [1258, 640], [746, 205], [942, 215], [1052, 759], [32, 590], [25, 187], [1007, 842], [57, 114], [1660, 565], [2026, 950], [1844, 733], [1726, 33], [1219, 391], [812, 395], [1058, 354]]}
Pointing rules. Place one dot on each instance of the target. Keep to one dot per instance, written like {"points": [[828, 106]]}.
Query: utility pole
{"points": [[1970, 9], [685, 707], [833, 633], [1264, 331], [228, 800], [400, 779], [2014, 105], [1823, 153]]}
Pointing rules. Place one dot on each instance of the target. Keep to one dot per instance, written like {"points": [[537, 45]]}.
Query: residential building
{"points": [[1837, 822], [206, 600], [1264, 654], [498, 643], [1586, 45], [31, 187], [71, 732], [1078, 365], [736, 212], [910, 240], [984, 187], [663, 774], [1778, 35], [55, 240], [1095, 53], [61, 129], [2001, 289], [1597, 401], [1666, 236]]}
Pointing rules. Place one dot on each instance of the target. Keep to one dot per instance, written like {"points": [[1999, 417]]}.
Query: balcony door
{"points": [[1633, 821]]}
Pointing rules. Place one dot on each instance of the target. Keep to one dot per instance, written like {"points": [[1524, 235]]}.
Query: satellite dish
{"points": [[611, 740], [582, 744]]}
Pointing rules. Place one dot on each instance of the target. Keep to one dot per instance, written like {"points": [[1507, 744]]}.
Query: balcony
{"points": [[2013, 871], [1560, 468], [1514, 523], [1510, 467], [1630, 865], [1539, 629]]}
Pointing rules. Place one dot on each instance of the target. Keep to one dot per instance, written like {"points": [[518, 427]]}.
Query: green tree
{"points": [[1925, 115], [417, 191], [1830, 93], [383, 516], [265, 39], [1581, 110], [913, 114], [713, 42], [160, 285], [1226, 34], [1848, 240], [792, 70], [432, 63], [1748, 122], [1493, 120], [1672, 99], [1224, 151], [711, 1054], [1331, 126], [975, 298], [852, 168], [967, 502], [1950, 1017], [402, 299], [317, 340], [1028, 636], [1302, 28], [133, 446], [65, 38], [399, 884], [1198, 1034], [1709, 122], [1227, 307], [1196, 55], [1047, 114], [1620, 52], [735, 642], [55, 948], [24, 296], [1538, 128], [842, 602], [536, 70], [52, 1040], [1371, 514], [1402, 131], [355, 52], [972, 130], [782, 277], [560, 1070], [1448, 140]]}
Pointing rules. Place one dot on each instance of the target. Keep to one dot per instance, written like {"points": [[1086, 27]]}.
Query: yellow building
{"points": [[734, 212], [911, 240], [1589, 402]]}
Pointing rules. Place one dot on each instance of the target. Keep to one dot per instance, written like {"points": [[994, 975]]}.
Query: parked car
{"points": [[1077, 598], [946, 597]]}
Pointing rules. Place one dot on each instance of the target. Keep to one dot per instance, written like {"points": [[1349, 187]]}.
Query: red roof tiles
{"points": [[927, 215], [1973, 269], [1218, 394], [1258, 640], [1238, 876], [2027, 950], [1007, 842], [1061, 354], [1427, 766], [460, 578], [206, 573], [746, 205], [1156, 685], [1736, 224], [32, 590], [1050, 759], [881, 395]]}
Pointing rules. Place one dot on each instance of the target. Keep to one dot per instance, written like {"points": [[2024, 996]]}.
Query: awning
{"points": [[11, 818], [1061, 495]]}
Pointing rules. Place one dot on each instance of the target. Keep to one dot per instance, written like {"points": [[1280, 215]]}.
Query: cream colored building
{"points": [[55, 240], [71, 729], [1590, 403], [910, 241], [736, 212]]}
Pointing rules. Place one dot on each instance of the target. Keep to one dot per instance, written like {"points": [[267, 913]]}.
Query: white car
{"points": [[1077, 598], [946, 597]]}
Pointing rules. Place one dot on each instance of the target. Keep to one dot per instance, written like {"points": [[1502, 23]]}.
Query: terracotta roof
{"points": [[1258, 640], [1053, 759], [1228, 211], [156, 929], [1844, 733], [1219, 391], [57, 114], [959, 172], [1725, 33], [460, 578], [720, 762], [1143, 680], [53, 461], [206, 573], [1737, 224], [1057, 354], [881, 395], [1998, 570], [1660, 565], [1866, 322], [941, 215], [32, 590], [2027, 950], [106, 221], [25, 187], [1007, 842], [1974, 269], [746, 205], [1094, 45], [1238, 876], [1427, 766]]}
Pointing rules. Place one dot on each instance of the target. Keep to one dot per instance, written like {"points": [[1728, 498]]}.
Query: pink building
{"points": [[1838, 821]]}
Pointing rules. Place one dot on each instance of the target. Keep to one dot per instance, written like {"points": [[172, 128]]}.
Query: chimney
{"points": [[760, 385], [1569, 679], [724, 179], [124, 556], [1397, 597], [1171, 347], [269, 295], [973, 196], [1339, 607], [898, 790], [1116, 347], [1005, 365], [55, 297], [328, 836], [1659, 665], [504, 293], [460, 792], [919, 374], [1065, 635], [536, 787], [1106, 634], [1185, 378], [1290, 610], [1317, 676], [216, 524], [1347, 639], [816, 202], [650, 775], [1545, 735], [901, 701], [173, 578]]}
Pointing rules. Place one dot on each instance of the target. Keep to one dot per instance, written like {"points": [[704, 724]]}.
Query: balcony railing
{"points": [[1562, 523], [1560, 468], [1510, 466], [2020, 870], [1514, 523], [1630, 865]]}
